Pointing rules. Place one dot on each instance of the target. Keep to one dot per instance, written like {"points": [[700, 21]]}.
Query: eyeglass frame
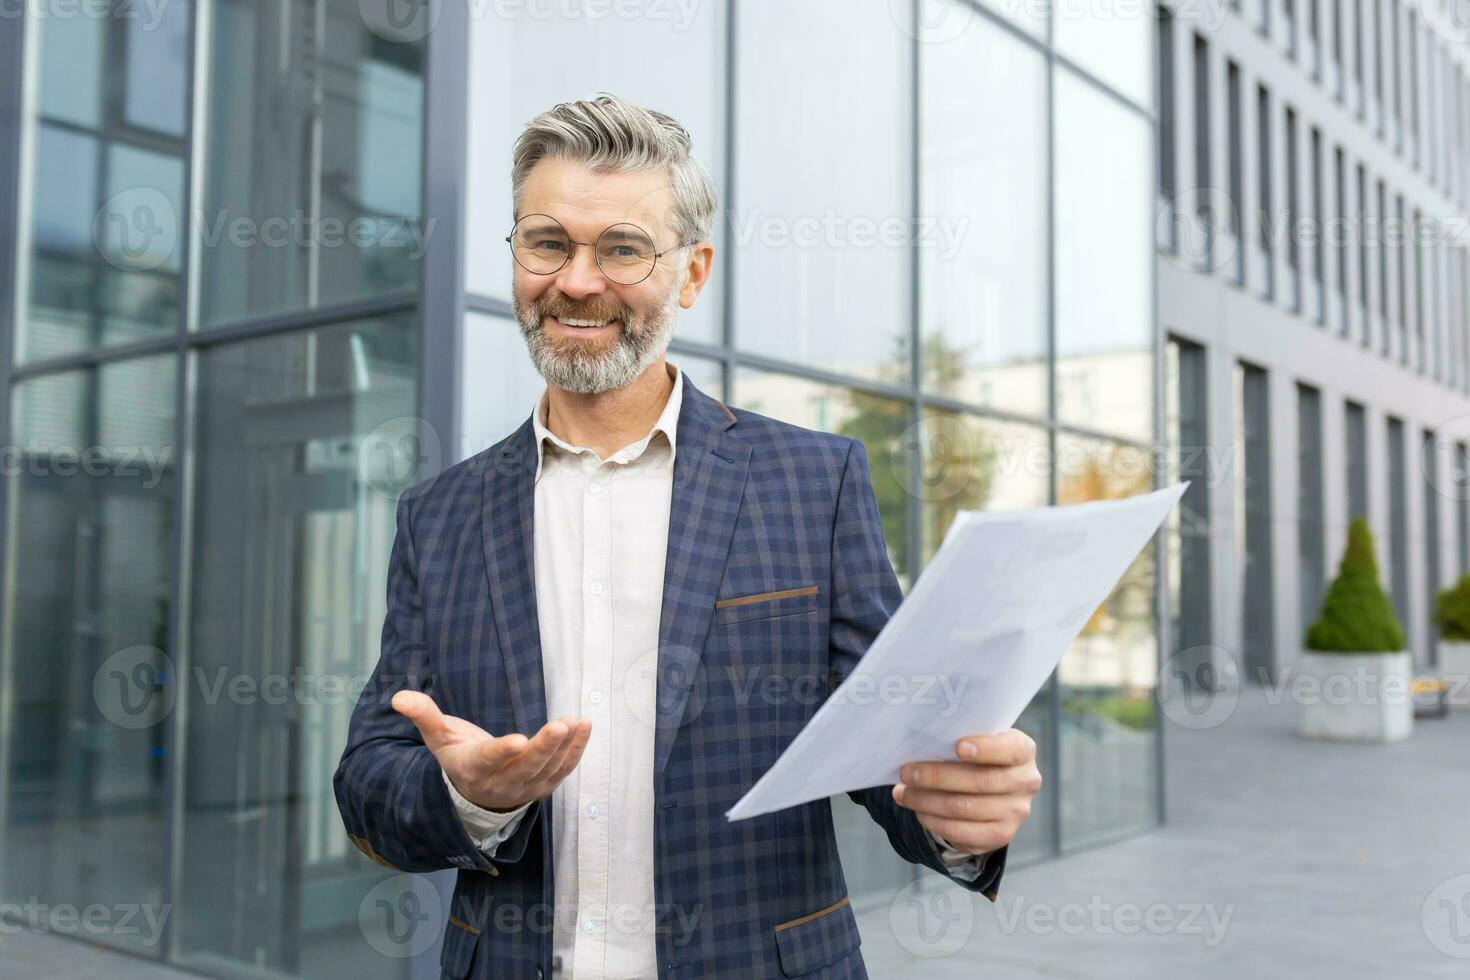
{"points": [[571, 252]]}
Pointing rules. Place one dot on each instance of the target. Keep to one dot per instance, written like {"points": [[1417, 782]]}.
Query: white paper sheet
{"points": [[984, 626]]}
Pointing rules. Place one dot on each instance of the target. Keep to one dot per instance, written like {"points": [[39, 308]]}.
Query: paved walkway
{"points": [[1282, 858]]}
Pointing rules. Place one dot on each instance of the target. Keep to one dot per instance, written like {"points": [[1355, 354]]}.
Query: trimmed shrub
{"points": [[1452, 611], [1357, 616]]}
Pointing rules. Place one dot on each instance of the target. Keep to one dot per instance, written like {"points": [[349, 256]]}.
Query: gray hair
{"points": [[613, 135]]}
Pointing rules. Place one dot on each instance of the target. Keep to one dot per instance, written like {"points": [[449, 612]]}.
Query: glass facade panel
{"points": [[107, 199], [1104, 261], [983, 301], [295, 489], [823, 254], [1310, 501], [1253, 523], [92, 487], [1187, 529], [1108, 724], [309, 197], [636, 57], [1113, 42]]}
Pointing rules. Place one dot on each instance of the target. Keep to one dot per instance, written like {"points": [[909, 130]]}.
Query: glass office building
{"points": [[258, 285]]}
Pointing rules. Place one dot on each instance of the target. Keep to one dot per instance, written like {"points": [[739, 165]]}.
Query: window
{"points": [[1310, 502], [1431, 494], [1413, 33], [1396, 103], [1289, 219], [1355, 435], [1235, 165], [1383, 247], [1345, 235], [1168, 181], [1186, 407], [1398, 519], [1253, 504], [1402, 248], [1319, 215], [1462, 506], [1202, 182], [1264, 218]]}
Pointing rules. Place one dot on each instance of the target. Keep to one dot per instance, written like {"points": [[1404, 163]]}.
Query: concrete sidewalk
{"points": [[1282, 858]]}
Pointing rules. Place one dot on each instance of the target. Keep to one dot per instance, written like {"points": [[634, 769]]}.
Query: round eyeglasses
{"points": [[625, 252]]}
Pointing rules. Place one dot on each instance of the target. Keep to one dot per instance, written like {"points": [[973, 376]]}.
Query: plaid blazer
{"points": [[777, 579]]}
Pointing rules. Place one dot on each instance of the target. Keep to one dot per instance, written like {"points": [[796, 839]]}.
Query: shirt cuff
{"points": [[486, 828], [960, 864]]}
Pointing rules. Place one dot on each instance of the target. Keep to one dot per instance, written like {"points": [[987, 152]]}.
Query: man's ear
{"points": [[696, 272]]}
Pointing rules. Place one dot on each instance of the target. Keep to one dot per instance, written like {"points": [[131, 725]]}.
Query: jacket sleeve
{"points": [[390, 789], [865, 594]]}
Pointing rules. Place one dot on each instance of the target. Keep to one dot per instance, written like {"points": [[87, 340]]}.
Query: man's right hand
{"points": [[497, 773]]}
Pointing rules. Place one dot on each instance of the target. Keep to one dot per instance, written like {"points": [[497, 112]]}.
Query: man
{"points": [[602, 630]]}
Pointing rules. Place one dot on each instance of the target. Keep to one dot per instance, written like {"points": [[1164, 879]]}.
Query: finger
{"points": [[967, 835], [965, 777], [420, 709], [559, 753], [533, 756], [1009, 748], [574, 753], [962, 806]]}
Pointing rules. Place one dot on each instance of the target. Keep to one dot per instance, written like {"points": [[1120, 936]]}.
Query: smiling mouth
{"points": [[579, 323]]}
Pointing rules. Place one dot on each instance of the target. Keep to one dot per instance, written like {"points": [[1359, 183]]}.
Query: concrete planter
{"points": [[1356, 697], [1454, 667]]}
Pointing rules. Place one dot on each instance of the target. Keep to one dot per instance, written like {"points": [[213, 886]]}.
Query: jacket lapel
{"points": [[709, 481], [506, 523]]}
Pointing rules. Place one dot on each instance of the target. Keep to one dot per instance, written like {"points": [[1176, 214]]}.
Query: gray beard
{"points": [[579, 368]]}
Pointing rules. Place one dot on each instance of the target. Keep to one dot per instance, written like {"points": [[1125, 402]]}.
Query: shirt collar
{"points": [[667, 423]]}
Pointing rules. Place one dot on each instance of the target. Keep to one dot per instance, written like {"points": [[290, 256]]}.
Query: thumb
{"points": [[420, 709]]}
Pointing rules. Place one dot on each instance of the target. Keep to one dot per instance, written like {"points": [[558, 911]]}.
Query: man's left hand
{"points": [[979, 802]]}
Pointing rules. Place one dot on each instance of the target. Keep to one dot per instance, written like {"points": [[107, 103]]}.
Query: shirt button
{"points": [[592, 810], [597, 588], [589, 927], [595, 697], [595, 489]]}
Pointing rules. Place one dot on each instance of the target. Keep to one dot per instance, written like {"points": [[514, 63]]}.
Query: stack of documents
{"points": [[982, 629]]}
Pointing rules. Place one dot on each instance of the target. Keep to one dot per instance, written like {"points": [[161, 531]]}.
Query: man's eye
{"points": [[549, 245]]}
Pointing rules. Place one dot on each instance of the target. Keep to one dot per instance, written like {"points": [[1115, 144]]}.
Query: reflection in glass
{"points": [[1109, 732], [312, 192], [93, 485], [1104, 261], [970, 462], [632, 56], [982, 158], [295, 487], [823, 253], [868, 861], [1111, 41]]}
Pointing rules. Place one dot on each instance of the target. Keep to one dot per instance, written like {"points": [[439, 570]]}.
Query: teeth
{"points": [[586, 323]]}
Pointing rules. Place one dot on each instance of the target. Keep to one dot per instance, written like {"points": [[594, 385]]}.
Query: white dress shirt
{"points": [[600, 538]]}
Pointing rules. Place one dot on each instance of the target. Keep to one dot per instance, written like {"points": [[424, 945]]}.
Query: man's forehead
{"points": [[587, 202]]}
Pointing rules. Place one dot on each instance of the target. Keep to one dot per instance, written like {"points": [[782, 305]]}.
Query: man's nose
{"points": [[581, 276]]}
